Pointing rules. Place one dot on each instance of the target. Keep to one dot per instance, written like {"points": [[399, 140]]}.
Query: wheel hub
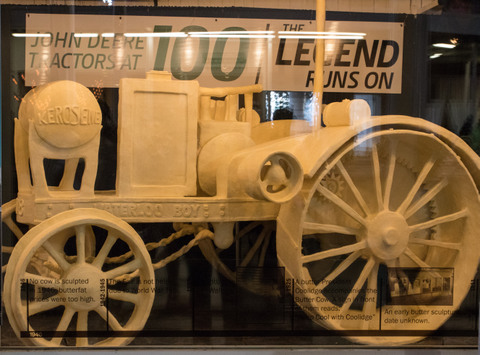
{"points": [[387, 235], [83, 287]]}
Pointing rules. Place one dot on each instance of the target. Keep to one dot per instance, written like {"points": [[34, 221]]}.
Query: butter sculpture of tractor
{"points": [[361, 196]]}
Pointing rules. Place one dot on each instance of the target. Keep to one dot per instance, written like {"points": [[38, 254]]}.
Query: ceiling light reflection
{"points": [[444, 45], [321, 37], [31, 35], [156, 34], [233, 34], [331, 33], [87, 35]]}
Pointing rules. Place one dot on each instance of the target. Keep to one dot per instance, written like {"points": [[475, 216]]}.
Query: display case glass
{"points": [[176, 174]]}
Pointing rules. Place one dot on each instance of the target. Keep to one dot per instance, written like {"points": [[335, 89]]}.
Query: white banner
{"points": [[98, 50]]}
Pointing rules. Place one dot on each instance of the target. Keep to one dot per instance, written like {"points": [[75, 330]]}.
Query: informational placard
{"points": [[99, 50], [259, 302]]}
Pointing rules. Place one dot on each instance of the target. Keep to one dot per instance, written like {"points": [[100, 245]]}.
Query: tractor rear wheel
{"points": [[383, 237]]}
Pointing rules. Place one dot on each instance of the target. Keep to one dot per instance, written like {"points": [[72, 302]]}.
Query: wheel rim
{"points": [[41, 256], [8, 212], [76, 300], [390, 203]]}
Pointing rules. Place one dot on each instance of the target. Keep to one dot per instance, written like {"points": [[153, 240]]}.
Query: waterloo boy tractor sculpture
{"points": [[363, 193]]}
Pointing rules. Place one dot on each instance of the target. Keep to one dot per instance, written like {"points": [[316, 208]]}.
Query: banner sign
{"points": [[99, 50]]}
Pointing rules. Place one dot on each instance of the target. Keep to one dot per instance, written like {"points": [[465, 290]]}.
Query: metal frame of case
{"points": [[385, 193]]}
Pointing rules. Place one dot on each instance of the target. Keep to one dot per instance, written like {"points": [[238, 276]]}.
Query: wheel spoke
{"points": [[90, 241], [46, 305], [408, 252], [370, 307], [427, 197], [390, 175], [342, 204], [124, 296], [358, 285], [416, 186], [251, 226], [82, 326], [334, 252], [254, 248], [59, 256], [339, 269], [64, 323], [436, 243], [439, 220], [104, 251], [7, 250], [44, 281], [109, 318], [80, 240], [392, 263], [124, 269], [263, 252], [7, 211], [13, 227], [353, 187], [377, 177], [311, 227]]}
